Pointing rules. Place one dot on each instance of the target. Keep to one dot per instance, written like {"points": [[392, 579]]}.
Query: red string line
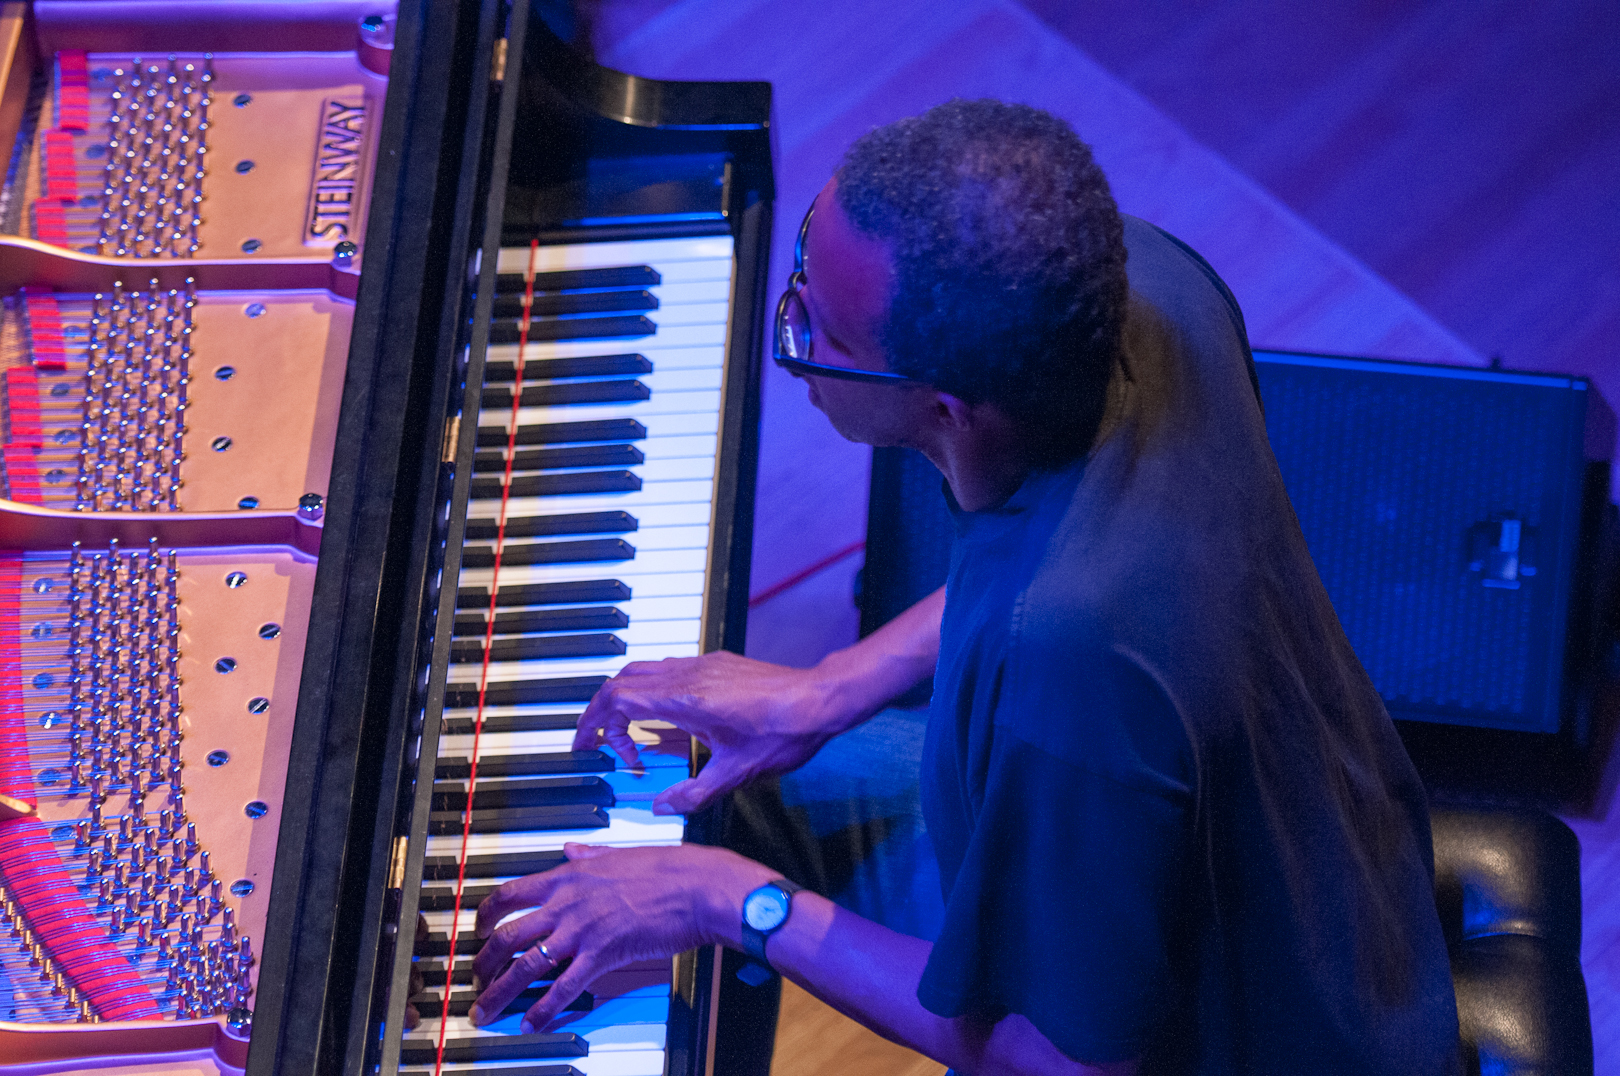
{"points": [[489, 638]]}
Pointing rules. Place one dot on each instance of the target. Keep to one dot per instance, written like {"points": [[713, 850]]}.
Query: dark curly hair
{"points": [[1009, 259]]}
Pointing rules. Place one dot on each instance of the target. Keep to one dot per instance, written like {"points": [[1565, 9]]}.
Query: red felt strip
{"points": [[61, 173], [47, 346], [73, 91], [22, 474], [29, 862], [16, 780], [22, 407], [50, 223], [57, 914]]}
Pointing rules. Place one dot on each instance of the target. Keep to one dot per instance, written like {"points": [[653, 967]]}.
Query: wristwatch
{"points": [[763, 913]]}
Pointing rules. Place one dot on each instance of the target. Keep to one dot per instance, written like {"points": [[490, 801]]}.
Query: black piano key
{"points": [[559, 433], [596, 550], [520, 819], [571, 593], [429, 1005], [463, 726], [586, 618], [548, 647], [618, 276], [542, 649], [545, 526], [525, 692], [509, 331], [564, 484], [519, 553], [556, 304], [437, 944], [443, 899], [493, 1048], [564, 393], [504, 373], [503, 865], [555, 459], [555, 791], [535, 765]]}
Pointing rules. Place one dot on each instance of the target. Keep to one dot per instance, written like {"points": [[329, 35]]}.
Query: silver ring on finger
{"points": [[549, 958]]}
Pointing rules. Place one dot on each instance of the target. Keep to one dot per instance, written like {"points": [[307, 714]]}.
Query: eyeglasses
{"points": [[793, 328]]}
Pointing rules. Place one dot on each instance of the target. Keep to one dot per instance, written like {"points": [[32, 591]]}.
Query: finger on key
{"points": [[535, 961], [531, 891], [578, 972]]}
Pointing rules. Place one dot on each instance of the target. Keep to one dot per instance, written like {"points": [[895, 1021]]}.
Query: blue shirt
{"points": [[1173, 819]]}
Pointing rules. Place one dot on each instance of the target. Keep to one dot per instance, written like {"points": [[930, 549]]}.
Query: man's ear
{"points": [[953, 412]]}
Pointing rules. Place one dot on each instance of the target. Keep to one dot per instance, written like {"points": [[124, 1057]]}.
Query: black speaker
{"points": [[1443, 507], [1459, 530]]}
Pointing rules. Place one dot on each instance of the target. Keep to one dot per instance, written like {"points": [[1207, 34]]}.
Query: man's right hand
{"points": [[756, 718]]}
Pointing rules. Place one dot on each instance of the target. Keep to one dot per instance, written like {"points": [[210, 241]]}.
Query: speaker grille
{"points": [[1441, 507]]}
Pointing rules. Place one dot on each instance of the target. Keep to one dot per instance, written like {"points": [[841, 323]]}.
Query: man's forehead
{"points": [[849, 273]]}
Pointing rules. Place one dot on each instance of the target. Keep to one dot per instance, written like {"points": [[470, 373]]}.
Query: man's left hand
{"points": [[603, 909]]}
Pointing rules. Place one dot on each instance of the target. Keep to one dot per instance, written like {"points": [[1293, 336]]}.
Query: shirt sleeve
{"points": [[1066, 901]]}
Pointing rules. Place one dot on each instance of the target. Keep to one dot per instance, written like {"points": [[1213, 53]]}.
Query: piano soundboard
{"points": [[297, 617]]}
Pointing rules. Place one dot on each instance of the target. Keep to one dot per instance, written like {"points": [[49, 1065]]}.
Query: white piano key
{"points": [[656, 350], [639, 610], [639, 633], [690, 491], [652, 252], [711, 313], [645, 538], [651, 756], [695, 402], [653, 562], [683, 292], [501, 672], [653, 448], [627, 827], [676, 379], [664, 514], [660, 425], [675, 584]]}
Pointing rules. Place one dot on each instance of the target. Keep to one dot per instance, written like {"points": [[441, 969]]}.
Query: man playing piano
{"points": [[1175, 828]]}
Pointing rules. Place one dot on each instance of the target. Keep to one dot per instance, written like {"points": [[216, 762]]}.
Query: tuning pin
{"points": [[126, 831], [162, 944], [117, 925], [203, 866], [143, 934], [191, 840], [81, 835], [92, 866]]}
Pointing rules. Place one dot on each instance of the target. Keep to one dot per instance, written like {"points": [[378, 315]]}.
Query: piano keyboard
{"points": [[608, 522]]}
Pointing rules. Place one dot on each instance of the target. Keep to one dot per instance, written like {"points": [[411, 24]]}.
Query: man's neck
{"points": [[984, 464]]}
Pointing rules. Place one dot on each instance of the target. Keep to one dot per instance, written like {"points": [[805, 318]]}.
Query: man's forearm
{"points": [[870, 974], [887, 663]]}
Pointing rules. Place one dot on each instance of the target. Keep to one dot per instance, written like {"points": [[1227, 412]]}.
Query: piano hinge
{"points": [[497, 71], [396, 863], [452, 434]]}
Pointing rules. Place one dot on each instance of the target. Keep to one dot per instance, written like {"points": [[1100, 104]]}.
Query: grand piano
{"points": [[343, 463]]}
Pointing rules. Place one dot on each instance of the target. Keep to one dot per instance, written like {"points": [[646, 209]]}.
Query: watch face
{"points": [[765, 908]]}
